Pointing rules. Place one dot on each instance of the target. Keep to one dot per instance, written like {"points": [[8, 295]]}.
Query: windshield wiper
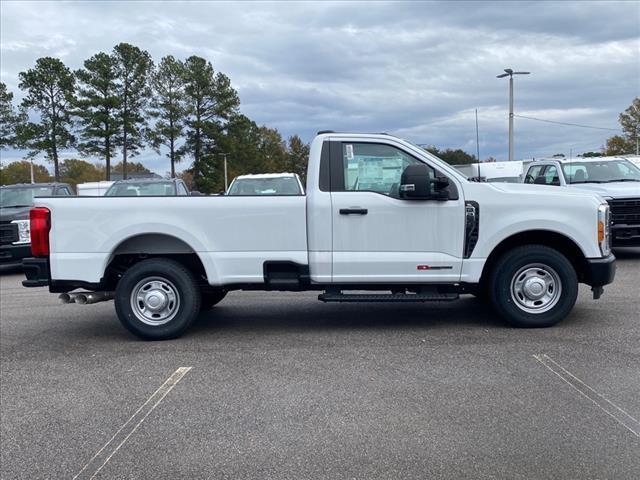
{"points": [[624, 180], [586, 181]]}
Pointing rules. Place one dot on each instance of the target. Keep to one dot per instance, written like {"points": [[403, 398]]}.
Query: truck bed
{"points": [[236, 234]]}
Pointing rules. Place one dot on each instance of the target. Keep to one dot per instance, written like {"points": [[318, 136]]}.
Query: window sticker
{"points": [[371, 169], [349, 152]]}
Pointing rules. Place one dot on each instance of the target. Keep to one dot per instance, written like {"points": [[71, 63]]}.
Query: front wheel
{"points": [[533, 286], [157, 299]]}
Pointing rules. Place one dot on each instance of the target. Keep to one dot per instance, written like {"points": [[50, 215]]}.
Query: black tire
{"points": [[169, 280], [481, 292], [211, 298], [545, 268]]}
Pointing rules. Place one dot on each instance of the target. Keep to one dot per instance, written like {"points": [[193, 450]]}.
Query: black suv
{"points": [[15, 203]]}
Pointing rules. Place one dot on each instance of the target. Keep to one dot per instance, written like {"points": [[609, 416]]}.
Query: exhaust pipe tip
{"points": [[81, 299], [86, 298], [66, 298]]}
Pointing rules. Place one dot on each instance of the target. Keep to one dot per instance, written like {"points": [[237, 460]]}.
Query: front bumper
{"points": [[12, 255], [600, 271]]}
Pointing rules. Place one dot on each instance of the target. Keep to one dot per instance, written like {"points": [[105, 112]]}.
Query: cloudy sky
{"points": [[417, 70]]}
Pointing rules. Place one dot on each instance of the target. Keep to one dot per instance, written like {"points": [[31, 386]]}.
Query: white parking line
{"points": [[603, 403], [100, 459]]}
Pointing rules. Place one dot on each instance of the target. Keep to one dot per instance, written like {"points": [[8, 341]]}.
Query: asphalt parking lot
{"points": [[282, 386]]}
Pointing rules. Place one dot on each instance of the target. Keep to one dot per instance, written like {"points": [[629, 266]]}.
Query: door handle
{"points": [[353, 211]]}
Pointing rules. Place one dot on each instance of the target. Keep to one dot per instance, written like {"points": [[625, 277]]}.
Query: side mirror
{"points": [[195, 193], [418, 183], [415, 182]]}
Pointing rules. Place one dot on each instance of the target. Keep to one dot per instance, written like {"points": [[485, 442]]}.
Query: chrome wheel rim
{"points": [[155, 301], [536, 288]]}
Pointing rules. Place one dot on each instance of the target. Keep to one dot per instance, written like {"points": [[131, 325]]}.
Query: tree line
{"points": [[629, 141], [122, 102]]}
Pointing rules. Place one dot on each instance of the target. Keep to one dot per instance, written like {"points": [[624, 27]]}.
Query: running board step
{"points": [[388, 297]]}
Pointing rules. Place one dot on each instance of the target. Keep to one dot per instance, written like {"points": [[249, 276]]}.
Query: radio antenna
{"points": [[477, 144]]}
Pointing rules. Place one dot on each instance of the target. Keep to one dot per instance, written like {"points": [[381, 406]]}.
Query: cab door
{"points": [[379, 237]]}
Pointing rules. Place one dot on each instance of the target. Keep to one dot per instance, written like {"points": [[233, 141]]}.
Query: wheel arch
{"points": [[152, 245], [548, 238]]}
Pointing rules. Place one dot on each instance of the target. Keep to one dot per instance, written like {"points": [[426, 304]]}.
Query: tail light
{"points": [[40, 223]]}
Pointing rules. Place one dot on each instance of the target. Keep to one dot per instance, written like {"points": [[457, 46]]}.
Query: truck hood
{"points": [[547, 190], [7, 214], [610, 190]]}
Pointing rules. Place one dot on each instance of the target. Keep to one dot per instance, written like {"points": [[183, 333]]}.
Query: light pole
{"points": [[226, 183], [510, 73]]}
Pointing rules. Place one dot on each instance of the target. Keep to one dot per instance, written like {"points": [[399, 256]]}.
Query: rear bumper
{"points": [[37, 272], [600, 271], [12, 255]]}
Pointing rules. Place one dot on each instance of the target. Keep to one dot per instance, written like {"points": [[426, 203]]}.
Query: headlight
{"points": [[604, 229], [24, 232]]}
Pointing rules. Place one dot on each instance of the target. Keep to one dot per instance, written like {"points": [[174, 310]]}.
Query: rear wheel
{"points": [[157, 299], [533, 286]]}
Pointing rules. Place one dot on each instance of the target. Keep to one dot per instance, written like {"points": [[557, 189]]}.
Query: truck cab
{"points": [[615, 179]]}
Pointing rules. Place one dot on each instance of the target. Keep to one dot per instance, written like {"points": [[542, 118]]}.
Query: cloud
{"points": [[417, 69]]}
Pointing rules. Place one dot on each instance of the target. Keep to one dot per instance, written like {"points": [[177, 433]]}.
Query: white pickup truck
{"points": [[615, 179], [382, 220]]}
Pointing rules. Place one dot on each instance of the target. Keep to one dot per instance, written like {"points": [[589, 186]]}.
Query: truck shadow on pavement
{"points": [[312, 315]]}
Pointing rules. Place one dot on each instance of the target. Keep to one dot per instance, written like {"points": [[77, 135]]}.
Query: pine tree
{"points": [[210, 100], [297, 156], [132, 69], [97, 108], [10, 118], [49, 88], [273, 151], [168, 107]]}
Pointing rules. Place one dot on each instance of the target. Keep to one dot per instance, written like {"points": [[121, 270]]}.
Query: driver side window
{"points": [[533, 173], [374, 167], [551, 175]]}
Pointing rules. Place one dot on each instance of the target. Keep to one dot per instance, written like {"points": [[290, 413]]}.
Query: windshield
{"points": [[601, 172], [265, 186], [22, 196], [439, 171], [141, 189]]}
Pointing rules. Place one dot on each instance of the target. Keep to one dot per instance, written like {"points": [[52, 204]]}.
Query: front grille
{"points": [[8, 233], [625, 211]]}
